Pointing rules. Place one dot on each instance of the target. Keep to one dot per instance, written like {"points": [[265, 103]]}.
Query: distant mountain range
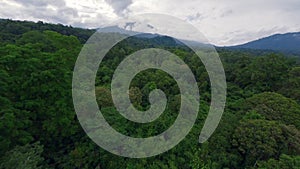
{"points": [[11, 30], [285, 43], [153, 36]]}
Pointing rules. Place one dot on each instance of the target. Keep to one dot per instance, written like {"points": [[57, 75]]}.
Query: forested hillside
{"points": [[260, 127]]}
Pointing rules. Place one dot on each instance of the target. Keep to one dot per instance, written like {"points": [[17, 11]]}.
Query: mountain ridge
{"points": [[286, 43]]}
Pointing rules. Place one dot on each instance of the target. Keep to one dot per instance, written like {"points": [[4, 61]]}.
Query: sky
{"points": [[223, 22]]}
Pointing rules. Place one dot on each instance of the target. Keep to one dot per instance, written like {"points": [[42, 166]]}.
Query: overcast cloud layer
{"points": [[223, 22]]}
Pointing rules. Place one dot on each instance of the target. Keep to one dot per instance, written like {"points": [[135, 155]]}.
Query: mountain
{"points": [[286, 43], [154, 37], [11, 30], [116, 29]]}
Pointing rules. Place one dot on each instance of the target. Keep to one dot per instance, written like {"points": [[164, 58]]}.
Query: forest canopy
{"points": [[39, 128]]}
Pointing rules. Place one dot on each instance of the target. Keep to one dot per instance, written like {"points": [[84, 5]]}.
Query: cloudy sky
{"points": [[223, 22]]}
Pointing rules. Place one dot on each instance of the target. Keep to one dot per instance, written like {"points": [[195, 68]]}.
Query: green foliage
{"points": [[10, 30], [275, 107], [103, 97], [257, 140], [23, 157], [135, 96], [260, 128], [262, 73], [291, 86], [284, 162]]}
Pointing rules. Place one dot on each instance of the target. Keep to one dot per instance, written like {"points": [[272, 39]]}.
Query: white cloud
{"points": [[120, 7], [225, 22]]}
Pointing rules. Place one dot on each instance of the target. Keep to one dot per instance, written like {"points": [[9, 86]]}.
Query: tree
{"points": [[265, 73], [284, 162], [274, 107], [291, 87], [135, 96], [103, 96], [23, 157], [257, 140]]}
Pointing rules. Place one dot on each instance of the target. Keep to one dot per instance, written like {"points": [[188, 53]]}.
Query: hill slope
{"points": [[289, 42]]}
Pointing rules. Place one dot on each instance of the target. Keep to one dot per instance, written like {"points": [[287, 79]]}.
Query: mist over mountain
{"points": [[285, 43], [162, 39]]}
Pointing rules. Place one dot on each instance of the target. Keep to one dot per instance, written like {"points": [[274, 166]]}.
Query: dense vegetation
{"points": [[38, 127]]}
